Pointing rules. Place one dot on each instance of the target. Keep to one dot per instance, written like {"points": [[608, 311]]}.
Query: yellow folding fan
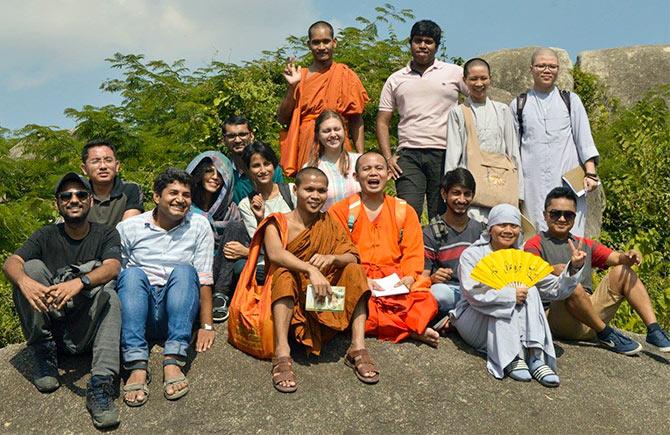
{"points": [[510, 267]]}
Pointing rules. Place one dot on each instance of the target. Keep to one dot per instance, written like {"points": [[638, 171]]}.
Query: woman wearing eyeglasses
{"points": [[495, 130]]}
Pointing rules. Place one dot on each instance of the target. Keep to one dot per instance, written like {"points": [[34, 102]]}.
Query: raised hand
{"points": [[578, 255], [292, 72], [258, 207]]}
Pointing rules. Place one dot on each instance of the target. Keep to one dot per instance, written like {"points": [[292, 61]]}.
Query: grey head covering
{"points": [[501, 214]]}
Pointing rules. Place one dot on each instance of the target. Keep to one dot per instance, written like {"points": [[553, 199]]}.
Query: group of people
{"points": [[113, 279]]}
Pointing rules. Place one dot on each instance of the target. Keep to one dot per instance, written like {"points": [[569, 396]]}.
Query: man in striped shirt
{"points": [[166, 280], [445, 238]]}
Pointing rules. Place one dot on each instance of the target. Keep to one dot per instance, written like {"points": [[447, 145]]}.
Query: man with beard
{"points": [[113, 199], [166, 280], [306, 247], [63, 295], [387, 232], [237, 134], [423, 93], [446, 237]]}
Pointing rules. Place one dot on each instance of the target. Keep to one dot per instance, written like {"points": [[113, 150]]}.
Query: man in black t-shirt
{"points": [[445, 238], [63, 279], [114, 200]]}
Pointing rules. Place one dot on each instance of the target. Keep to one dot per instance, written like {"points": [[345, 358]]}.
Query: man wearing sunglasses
{"points": [[237, 134], [584, 314], [63, 278]]}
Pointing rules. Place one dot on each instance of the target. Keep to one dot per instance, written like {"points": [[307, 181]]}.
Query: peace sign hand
{"points": [[578, 255]]}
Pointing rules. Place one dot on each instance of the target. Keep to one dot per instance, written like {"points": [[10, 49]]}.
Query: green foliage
{"points": [[635, 168]]}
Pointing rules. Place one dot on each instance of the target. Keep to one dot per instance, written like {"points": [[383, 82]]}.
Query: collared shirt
{"points": [[157, 251], [124, 196], [423, 102], [244, 186]]}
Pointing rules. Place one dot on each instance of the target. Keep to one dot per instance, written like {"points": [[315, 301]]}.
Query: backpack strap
{"points": [[354, 211], [285, 192], [565, 96], [520, 103], [400, 215]]}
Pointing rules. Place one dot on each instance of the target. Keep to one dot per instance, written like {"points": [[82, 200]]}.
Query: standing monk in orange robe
{"points": [[314, 250], [389, 244], [324, 85]]}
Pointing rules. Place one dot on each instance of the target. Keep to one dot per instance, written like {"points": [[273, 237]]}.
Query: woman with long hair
{"points": [[329, 155]]}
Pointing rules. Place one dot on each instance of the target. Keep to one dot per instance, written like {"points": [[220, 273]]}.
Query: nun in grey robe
{"points": [[491, 321]]}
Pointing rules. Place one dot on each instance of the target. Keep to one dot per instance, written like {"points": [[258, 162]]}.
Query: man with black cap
{"points": [[63, 278]]}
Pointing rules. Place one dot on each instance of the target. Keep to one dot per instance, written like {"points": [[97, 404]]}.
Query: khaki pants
{"points": [[563, 325]]}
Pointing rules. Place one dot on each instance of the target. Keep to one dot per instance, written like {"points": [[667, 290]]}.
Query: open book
{"points": [[334, 302], [388, 284], [574, 178]]}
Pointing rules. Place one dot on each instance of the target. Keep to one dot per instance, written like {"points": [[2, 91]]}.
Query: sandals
{"points": [[127, 388], [179, 379], [518, 370], [543, 374], [282, 371], [362, 363]]}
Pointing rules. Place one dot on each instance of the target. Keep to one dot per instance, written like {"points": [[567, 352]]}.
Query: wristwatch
{"points": [[207, 327], [86, 281]]}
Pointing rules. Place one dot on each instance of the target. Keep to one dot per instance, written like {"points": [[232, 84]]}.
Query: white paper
{"points": [[388, 285]]}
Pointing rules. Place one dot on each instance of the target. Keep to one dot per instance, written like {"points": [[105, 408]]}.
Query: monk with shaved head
{"points": [[388, 235], [325, 84], [308, 248]]}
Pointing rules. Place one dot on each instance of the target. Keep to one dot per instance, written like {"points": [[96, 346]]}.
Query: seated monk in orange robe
{"points": [[324, 85], [317, 252], [389, 244]]}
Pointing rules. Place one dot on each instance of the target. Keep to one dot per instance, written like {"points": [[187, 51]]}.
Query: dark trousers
{"points": [[421, 175], [225, 278], [101, 335]]}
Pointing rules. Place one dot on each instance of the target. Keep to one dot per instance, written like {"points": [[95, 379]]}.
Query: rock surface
{"points": [[422, 390], [510, 69], [628, 72]]}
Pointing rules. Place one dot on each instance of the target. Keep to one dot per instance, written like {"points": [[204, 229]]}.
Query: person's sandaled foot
{"points": [[135, 391], [364, 366], [518, 370], [283, 377], [175, 384], [543, 374], [431, 337]]}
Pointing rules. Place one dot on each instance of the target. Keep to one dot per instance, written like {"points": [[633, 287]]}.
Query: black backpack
{"points": [[521, 102]]}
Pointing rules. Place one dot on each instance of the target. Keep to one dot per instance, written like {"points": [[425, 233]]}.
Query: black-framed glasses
{"points": [[82, 195], [568, 215], [232, 136]]}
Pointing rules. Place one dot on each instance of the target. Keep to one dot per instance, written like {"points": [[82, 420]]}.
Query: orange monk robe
{"points": [[325, 236], [338, 88], [382, 253]]}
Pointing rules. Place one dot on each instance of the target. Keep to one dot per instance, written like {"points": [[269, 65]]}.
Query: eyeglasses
{"points": [[568, 215], [543, 66], [233, 136], [82, 195]]}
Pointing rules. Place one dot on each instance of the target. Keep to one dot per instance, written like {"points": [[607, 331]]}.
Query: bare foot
{"points": [[136, 377], [430, 337]]}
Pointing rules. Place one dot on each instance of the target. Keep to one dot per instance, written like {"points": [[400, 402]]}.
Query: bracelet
{"points": [[593, 177]]}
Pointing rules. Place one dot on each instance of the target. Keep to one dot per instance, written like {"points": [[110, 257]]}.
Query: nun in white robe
{"points": [[491, 321]]}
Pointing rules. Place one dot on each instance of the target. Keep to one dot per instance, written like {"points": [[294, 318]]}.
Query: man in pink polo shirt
{"points": [[423, 92]]}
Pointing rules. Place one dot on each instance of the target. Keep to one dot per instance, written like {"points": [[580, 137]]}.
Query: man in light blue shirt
{"points": [[166, 280]]}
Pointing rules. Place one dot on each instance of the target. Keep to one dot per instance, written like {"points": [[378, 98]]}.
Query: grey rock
{"points": [[422, 390], [628, 72], [500, 95], [510, 69]]}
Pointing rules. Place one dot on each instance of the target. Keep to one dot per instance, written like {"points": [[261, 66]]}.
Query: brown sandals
{"points": [[362, 363], [282, 371]]}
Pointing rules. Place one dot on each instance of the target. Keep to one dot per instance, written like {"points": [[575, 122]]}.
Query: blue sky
{"points": [[53, 51]]}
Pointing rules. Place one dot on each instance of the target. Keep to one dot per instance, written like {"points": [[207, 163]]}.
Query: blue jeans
{"points": [[447, 295], [162, 313]]}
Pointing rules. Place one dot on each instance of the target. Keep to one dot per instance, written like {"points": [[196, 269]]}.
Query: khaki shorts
{"points": [[563, 325]]}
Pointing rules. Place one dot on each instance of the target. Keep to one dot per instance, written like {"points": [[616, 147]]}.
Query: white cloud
{"points": [[42, 39]]}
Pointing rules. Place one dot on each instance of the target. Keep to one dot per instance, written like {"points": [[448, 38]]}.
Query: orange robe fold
{"points": [[314, 329], [382, 253], [339, 89]]}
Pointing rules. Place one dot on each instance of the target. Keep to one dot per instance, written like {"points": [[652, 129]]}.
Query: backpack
{"points": [[400, 214], [521, 102]]}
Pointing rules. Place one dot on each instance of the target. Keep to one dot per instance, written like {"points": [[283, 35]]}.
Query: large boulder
{"points": [[628, 72], [510, 69]]}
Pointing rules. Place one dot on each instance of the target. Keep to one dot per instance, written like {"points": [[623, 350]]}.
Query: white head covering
{"points": [[501, 214]]}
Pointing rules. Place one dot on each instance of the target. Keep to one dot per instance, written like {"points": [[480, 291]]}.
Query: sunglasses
{"points": [[555, 215], [82, 195]]}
